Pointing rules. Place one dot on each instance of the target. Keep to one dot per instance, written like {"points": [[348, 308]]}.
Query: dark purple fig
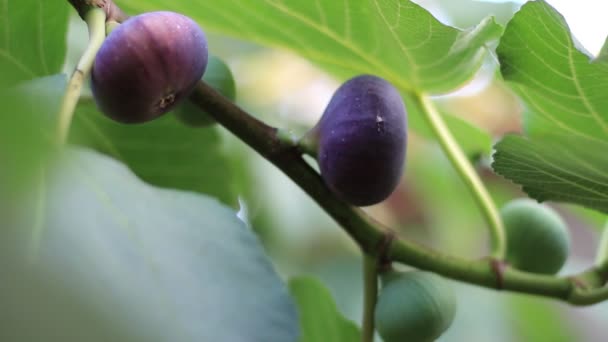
{"points": [[361, 140], [147, 65]]}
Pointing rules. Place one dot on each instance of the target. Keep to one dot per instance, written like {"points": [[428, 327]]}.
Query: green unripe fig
{"points": [[537, 237], [220, 78], [414, 306]]}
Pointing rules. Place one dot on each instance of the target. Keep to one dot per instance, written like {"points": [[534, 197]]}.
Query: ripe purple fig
{"points": [[361, 140], [148, 65]]}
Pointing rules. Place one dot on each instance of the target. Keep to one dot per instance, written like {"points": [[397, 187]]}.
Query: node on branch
{"points": [[113, 12]]}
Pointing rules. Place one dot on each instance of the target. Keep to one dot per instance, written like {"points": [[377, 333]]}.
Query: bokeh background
{"points": [[431, 205]]}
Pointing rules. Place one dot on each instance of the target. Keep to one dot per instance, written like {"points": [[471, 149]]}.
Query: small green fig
{"points": [[219, 77], [414, 306], [537, 237]]}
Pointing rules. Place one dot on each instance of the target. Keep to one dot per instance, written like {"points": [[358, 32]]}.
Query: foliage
{"points": [[566, 122], [132, 232]]}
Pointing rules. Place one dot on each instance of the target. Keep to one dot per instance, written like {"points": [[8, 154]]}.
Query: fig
{"points": [[148, 65], [537, 237], [219, 77], [361, 140], [414, 306]]}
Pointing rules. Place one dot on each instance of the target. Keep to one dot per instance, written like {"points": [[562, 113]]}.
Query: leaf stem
{"points": [[95, 19], [370, 295], [467, 173], [601, 258]]}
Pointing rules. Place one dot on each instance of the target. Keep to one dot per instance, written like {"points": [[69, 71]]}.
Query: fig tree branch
{"points": [[370, 296], [113, 12], [369, 234]]}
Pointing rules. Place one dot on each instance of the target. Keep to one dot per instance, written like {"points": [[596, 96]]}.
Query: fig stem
{"points": [[286, 136], [468, 174], [111, 25], [95, 19], [309, 143], [370, 296]]}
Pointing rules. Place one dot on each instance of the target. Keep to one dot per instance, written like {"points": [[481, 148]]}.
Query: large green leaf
{"points": [[176, 266], [562, 88], [32, 38], [567, 117], [26, 128], [394, 39], [320, 320], [163, 152]]}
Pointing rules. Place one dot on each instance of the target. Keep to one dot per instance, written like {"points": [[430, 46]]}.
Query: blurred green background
{"points": [[431, 205]]}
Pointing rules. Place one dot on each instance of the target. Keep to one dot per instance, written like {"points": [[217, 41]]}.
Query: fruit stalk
{"points": [[95, 19], [369, 234], [601, 259], [602, 250], [370, 295], [467, 173]]}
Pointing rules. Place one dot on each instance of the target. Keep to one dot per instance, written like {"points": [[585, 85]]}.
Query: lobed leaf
{"points": [[567, 110], [395, 39], [560, 168]]}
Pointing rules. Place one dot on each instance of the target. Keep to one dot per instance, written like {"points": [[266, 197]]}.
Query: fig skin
{"points": [[414, 306], [537, 237], [361, 140], [220, 78], [147, 65]]}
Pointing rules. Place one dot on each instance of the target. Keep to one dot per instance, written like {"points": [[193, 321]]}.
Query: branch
{"points": [[370, 296], [113, 12], [369, 234]]}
